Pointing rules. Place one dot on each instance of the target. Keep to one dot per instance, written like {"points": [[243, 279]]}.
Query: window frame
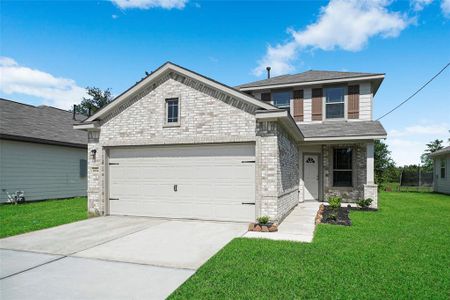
{"points": [[272, 101], [345, 102], [351, 170], [166, 112], [443, 168]]}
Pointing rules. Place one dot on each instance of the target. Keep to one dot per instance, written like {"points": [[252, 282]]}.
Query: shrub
{"points": [[334, 202], [364, 203], [332, 217], [263, 220]]}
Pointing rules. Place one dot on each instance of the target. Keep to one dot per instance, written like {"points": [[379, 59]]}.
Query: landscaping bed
{"points": [[329, 215]]}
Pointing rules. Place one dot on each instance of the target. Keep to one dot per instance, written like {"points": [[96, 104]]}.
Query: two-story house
{"points": [[180, 145]]}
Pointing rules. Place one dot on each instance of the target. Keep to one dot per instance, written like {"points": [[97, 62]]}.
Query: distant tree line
{"points": [[386, 170]]}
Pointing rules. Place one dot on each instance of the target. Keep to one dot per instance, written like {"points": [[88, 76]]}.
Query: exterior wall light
{"points": [[93, 153]]}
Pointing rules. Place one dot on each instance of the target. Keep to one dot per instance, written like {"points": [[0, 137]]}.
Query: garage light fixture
{"points": [[93, 154]]}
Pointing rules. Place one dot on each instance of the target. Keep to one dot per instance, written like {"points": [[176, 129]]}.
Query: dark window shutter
{"points": [[298, 105], [265, 97], [317, 104], [353, 102]]}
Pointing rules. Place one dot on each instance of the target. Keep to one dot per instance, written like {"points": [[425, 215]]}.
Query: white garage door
{"points": [[211, 182]]}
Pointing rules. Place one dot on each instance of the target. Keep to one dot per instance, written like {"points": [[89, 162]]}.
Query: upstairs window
{"points": [[342, 167], [172, 111], [334, 102], [282, 99], [443, 167]]}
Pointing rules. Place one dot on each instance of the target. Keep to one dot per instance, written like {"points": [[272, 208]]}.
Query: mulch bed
{"points": [[332, 216], [363, 208]]}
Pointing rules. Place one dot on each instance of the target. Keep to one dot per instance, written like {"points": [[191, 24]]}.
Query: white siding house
{"points": [[40, 153], [441, 159]]}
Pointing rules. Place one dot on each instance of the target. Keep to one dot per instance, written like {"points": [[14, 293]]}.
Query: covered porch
{"points": [[337, 159]]}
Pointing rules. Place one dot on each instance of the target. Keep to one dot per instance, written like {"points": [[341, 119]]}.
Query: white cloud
{"points": [[418, 5], [55, 91], [445, 6], [342, 24], [147, 4], [279, 58], [407, 144]]}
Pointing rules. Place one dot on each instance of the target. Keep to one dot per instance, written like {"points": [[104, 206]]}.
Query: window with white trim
{"points": [[282, 99], [443, 168], [342, 167], [172, 111], [335, 103]]}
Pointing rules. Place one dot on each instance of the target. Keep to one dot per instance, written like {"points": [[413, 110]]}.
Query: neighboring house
{"points": [[441, 163], [40, 152], [180, 145]]}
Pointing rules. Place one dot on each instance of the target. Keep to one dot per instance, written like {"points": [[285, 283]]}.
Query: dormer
{"points": [[318, 96]]}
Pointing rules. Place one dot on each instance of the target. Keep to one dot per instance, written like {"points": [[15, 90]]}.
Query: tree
{"points": [[97, 100], [384, 165], [433, 146]]}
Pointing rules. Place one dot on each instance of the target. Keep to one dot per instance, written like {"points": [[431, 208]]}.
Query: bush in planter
{"points": [[364, 203], [334, 202], [332, 217], [263, 220]]}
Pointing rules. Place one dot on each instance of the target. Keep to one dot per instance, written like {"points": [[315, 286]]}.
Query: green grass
{"points": [[400, 252], [21, 218]]}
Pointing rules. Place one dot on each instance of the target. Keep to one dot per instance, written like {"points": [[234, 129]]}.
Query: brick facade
{"points": [[277, 162], [206, 116]]}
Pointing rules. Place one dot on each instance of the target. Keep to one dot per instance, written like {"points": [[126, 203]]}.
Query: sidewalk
{"points": [[298, 226]]}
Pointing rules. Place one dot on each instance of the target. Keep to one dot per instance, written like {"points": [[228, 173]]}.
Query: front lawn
{"points": [[21, 218], [402, 251]]}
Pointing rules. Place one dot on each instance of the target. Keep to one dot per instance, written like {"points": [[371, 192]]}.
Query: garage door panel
{"points": [[212, 181]]}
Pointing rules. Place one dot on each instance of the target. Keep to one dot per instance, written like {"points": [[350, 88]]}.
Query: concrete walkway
{"points": [[298, 226]]}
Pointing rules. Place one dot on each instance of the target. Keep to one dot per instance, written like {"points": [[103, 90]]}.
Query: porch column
{"points": [[370, 163], [370, 188]]}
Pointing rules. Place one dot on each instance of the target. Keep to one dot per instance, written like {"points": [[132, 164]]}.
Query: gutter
{"points": [[86, 126], [41, 141]]}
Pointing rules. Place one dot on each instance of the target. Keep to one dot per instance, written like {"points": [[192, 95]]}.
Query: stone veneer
{"points": [[277, 162], [351, 194]]}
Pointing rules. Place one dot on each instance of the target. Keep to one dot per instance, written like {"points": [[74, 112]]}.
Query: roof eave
{"points": [[86, 126], [345, 138], [285, 118], [314, 82]]}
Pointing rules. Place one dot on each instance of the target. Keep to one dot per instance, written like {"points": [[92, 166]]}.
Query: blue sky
{"points": [[51, 50]]}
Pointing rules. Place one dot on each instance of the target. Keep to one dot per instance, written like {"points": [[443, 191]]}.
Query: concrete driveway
{"points": [[109, 257]]}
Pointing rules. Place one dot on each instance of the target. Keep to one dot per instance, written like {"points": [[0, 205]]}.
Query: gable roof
{"points": [[176, 68], [342, 130], [41, 124], [311, 77]]}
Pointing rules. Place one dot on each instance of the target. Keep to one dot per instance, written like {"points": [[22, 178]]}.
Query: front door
{"points": [[311, 176]]}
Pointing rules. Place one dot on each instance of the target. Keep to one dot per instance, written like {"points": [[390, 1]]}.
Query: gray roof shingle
{"points": [[445, 150], [308, 76], [342, 129], [39, 123]]}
